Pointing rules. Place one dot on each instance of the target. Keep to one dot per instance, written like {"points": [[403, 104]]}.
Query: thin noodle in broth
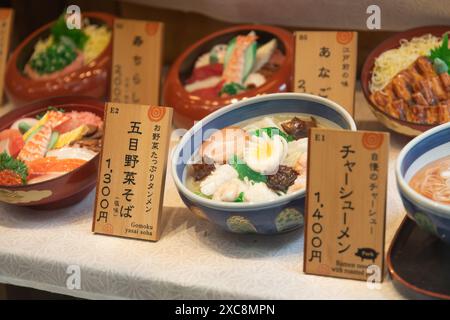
{"points": [[433, 181]]}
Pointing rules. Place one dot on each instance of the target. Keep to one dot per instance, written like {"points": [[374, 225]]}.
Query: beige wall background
{"points": [[343, 14]]}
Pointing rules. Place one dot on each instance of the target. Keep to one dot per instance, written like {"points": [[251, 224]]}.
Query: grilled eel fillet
{"points": [[417, 94]]}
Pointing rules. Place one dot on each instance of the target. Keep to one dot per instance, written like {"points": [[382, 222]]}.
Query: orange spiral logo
{"points": [[108, 228], [151, 28], [156, 113], [344, 37], [372, 140]]}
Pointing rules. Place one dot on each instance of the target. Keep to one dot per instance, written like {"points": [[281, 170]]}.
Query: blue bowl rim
{"points": [[236, 105], [410, 193]]}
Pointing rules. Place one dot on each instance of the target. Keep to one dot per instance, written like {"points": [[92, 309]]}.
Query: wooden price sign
{"points": [[346, 204], [6, 20], [136, 68], [130, 186], [325, 65]]}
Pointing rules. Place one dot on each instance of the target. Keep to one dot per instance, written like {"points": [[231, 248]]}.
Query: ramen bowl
{"points": [[64, 190], [430, 146], [189, 107], [400, 126], [280, 215], [89, 80]]}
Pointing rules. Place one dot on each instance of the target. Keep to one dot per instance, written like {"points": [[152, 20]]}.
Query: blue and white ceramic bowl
{"points": [[432, 145], [280, 215]]}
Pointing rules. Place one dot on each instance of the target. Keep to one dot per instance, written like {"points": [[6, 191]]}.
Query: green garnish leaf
{"points": [[231, 89], [49, 108], [441, 55], [245, 171], [240, 198], [9, 163], [201, 194], [271, 131], [59, 30]]}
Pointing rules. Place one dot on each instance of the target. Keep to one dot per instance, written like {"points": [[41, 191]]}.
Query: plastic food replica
{"points": [[229, 69], [412, 82], [254, 161], [66, 50], [47, 146]]}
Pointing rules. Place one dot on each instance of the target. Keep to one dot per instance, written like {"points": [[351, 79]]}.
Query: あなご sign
{"points": [[325, 65]]}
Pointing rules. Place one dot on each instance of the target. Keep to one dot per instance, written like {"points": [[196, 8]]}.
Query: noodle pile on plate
{"points": [[391, 62]]}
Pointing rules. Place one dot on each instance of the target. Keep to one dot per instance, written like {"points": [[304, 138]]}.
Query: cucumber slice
{"points": [[30, 136], [230, 49], [24, 127], [249, 60], [53, 138]]}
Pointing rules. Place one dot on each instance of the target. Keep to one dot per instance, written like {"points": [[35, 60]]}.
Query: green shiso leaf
{"points": [[441, 55], [245, 171], [271, 131], [231, 89], [59, 30], [9, 163], [240, 198]]}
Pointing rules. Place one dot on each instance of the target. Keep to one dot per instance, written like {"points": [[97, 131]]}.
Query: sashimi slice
{"points": [[52, 165], [37, 145], [78, 118], [205, 72], [235, 65], [51, 118], [11, 141]]}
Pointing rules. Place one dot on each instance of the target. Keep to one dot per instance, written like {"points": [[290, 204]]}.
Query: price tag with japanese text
{"points": [[136, 67], [6, 21], [130, 186], [325, 65], [346, 204]]}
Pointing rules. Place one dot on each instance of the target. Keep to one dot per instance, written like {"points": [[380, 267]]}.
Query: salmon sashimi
{"points": [[52, 165], [233, 71], [78, 118], [11, 141], [37, 145], [56, 118]]}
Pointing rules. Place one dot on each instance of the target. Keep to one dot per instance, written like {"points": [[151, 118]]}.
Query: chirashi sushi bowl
{"points": [[49, 151]]}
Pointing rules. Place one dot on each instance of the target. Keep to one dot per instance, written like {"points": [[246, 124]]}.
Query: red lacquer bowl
{"points": [[64, 190], [189, 108], [90, 80], [403, 127]]}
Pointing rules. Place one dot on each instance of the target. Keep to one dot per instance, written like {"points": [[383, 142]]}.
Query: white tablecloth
{"points": [[193, 259]]}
